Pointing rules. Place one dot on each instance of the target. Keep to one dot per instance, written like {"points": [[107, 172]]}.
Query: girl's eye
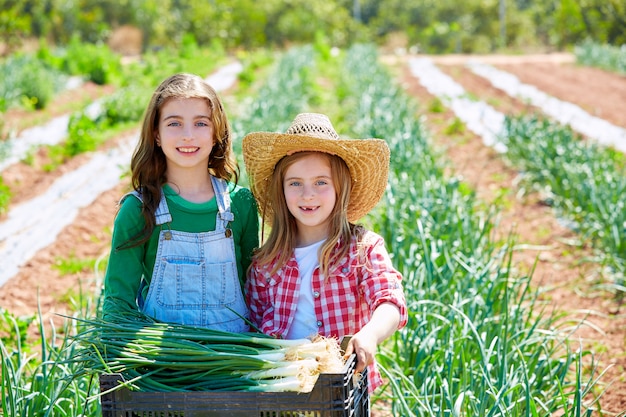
{"points": [[203, 124], [294, 183], [174, 124], [322, 182]]}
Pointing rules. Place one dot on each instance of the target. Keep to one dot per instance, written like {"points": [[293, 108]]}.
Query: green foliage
{"points": [[189, 46], [86, 132], [125, 105], [322, 46], [5, 196], [569, 21], [603, 56], [14, 330], [431, 26], [47, 383], [14, 24], [300, 20], [28, 81], [40, 87], [156, 65], [45, 54], [436, 106], [94, 61], [252, 62], [455, 127], [83, 135], [73, 265], [585, 182], [477, 342]]}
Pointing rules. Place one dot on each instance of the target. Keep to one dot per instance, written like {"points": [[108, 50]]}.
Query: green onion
{"points": [[157, 356]]}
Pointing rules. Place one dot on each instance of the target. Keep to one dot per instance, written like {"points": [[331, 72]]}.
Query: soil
{"points": [[570, 285]]}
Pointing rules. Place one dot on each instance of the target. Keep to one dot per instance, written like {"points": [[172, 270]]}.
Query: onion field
{"points": [[485, 337]]}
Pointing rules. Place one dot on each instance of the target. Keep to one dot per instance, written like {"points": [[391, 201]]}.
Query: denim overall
{"points": [[195, 279]]}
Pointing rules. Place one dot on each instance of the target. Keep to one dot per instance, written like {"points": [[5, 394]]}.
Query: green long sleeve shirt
{"points": [[127, 267]]}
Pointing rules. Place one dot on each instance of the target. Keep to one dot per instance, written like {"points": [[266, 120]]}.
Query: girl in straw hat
{"points": [[183, 239], [319, 272]]}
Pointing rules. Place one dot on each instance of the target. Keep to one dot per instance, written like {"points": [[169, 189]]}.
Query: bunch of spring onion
{"points": [[156, 356]]}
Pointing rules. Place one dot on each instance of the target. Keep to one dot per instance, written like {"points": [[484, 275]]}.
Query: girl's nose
{"points": [[307, 191], [187, 133]]}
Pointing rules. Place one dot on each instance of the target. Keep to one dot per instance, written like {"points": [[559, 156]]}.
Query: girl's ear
{"points": [[157, 139]]}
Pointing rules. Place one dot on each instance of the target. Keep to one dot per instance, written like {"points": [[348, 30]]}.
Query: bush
{"points": [[83, 135], [608, 57], [125, 105], [94, 61], [28, 81]]}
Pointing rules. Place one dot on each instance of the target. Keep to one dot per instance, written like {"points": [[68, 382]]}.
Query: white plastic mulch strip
{"points": [[51, 133], [225, 76], [566, 113], [35, 224], [478, 116]]}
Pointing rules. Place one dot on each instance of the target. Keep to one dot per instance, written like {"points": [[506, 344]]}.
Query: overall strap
{"points": [[222, 197], [162, 214]]}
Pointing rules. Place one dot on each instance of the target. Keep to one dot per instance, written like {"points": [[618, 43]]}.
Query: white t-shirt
{"points": [[304, 322]]}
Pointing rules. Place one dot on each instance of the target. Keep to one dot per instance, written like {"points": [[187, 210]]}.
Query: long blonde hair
{"points": [[282, 238], [148, 164]]}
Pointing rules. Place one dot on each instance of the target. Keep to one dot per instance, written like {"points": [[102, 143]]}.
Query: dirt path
{"points": [[568, 282]]}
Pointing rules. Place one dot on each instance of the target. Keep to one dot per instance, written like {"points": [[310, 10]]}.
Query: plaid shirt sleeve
{"points": [[380, 282], [354, 289]]}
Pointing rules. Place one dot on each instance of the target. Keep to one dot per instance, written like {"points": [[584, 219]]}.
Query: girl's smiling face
{"points": [[310, 196], [185, 133]]}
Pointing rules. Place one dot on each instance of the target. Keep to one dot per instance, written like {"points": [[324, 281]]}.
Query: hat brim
{"points": [[367, 160]]}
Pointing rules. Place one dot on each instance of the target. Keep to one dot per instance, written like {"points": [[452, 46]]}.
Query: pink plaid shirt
{"points": [[343, 304]]}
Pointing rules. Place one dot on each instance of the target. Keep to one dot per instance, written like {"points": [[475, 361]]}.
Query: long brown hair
{"points": [[282, 238], [148, 164]]}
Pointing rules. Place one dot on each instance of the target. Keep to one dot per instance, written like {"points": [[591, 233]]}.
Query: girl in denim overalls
{"points": [[183, 238]]}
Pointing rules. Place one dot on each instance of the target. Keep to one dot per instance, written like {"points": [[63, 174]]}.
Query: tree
{"points": [[14, 25]]}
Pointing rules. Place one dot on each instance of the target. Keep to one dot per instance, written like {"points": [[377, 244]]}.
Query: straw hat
{"points": [[367, 160]]}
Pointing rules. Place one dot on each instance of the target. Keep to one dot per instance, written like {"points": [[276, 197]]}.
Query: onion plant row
{"points": [[286, 90], [478, 341], [39, 381], [584, 181], [605, 56]]}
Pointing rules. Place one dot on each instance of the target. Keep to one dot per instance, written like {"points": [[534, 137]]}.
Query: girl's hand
{"points": [[383, 323], [364, 345]]}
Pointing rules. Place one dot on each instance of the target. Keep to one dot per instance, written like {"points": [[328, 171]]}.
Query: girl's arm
{"points": [[250, 226], [125, 266], [382, 290]]}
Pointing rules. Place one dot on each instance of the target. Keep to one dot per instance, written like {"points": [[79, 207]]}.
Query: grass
{"points": [[455, 127], [73, 265]]}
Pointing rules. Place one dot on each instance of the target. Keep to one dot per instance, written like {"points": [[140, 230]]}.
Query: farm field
{"points": [[568, 280], [570, 285]]}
